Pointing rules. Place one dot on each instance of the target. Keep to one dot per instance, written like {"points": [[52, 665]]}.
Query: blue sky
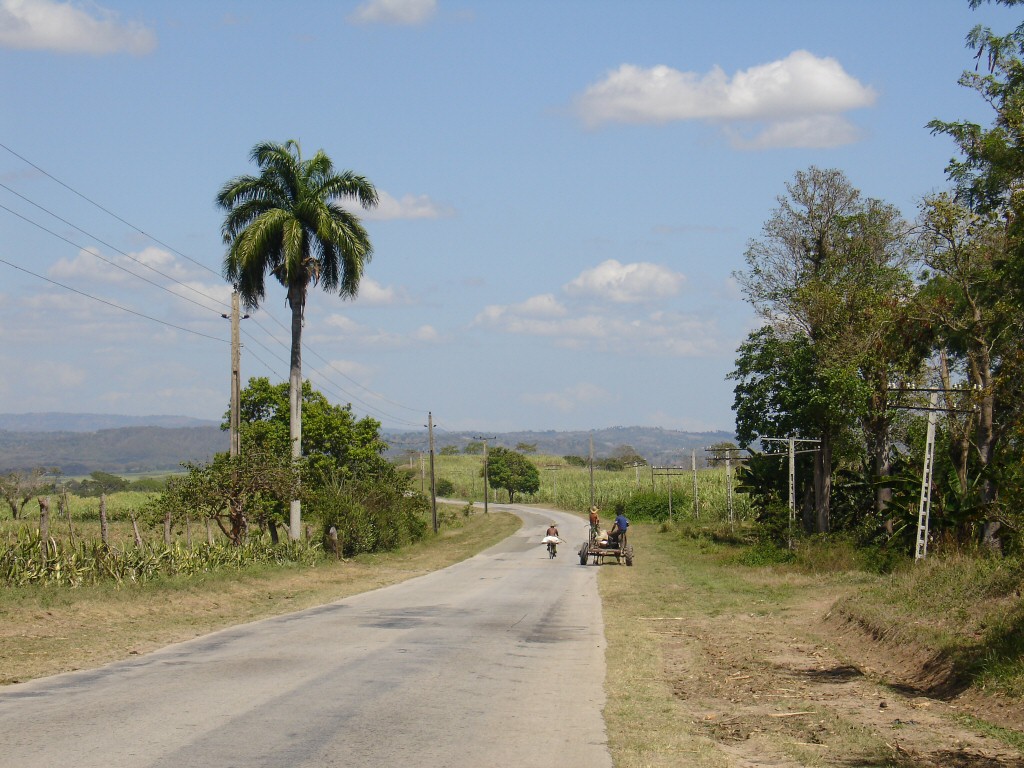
{"points": [[566, 190]]}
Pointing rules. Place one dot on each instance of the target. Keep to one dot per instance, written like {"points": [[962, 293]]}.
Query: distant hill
{"points": [[659, 446], [80, 443], [91, 422], [119, 451]]}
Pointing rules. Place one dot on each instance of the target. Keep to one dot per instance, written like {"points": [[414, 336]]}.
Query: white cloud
{"points": [[537, 307], [660, 333], [68, 28], [92, 264], [408, 207], [344, 329], [570, 398], [814, 132], [373, 294], [394, 12], [426, 333], [627, 283], [792, 96]]}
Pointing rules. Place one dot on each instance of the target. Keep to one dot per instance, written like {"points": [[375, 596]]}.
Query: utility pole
{"points": [[792, 452], [485, 438], [433, 489], [234, 421], [924, 511], [591, 469], [693, 469]]}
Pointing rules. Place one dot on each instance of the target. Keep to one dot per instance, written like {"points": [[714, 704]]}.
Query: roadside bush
{"points": [[445, 487], [370, 514]]}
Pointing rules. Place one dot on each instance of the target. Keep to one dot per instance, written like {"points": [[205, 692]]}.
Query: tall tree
{"points": [[829, 267], [966, 299], [289, 222]]}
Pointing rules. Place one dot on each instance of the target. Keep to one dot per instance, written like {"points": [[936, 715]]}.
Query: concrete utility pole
{"points": [[433, 489], [234, 421], [485, 438], [693, 469]]}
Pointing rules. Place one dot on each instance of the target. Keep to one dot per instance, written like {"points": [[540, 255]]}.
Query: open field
{"points": [[568, 487]]}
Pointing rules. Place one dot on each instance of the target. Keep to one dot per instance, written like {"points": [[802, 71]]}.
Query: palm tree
{"points": [[288, 222]]}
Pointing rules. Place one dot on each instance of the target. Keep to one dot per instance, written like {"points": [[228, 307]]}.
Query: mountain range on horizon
{"points": [[79, 443], [58, 421]]}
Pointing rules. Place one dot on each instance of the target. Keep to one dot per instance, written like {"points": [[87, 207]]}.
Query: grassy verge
{"points": [[713, 659], [44, 631], [963, 613]]}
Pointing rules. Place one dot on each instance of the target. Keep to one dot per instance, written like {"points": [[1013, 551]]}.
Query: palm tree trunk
{"points": [[295, 299]]}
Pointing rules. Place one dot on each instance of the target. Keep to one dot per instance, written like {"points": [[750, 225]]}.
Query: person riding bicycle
{"points": [[552, 538], [595, 522]]}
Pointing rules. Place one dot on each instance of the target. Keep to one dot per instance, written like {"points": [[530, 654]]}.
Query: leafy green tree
{"points": [[474, 448], [512, 471], [526, 447], [450, 450], [831, 267], [288, 222], [333, 440], [989, 181], [233, 491]]}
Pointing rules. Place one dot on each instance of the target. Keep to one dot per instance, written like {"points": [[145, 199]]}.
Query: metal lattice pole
{"points": [[924, 511]]}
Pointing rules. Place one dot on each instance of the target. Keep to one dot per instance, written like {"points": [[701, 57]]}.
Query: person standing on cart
{"points": [[595, 522]]}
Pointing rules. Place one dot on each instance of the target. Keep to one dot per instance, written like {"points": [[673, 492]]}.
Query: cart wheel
{"points": [[584, 553], [629, 554]]}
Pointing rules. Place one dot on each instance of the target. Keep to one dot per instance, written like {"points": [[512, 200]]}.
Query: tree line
{"points": [[866, 313]]}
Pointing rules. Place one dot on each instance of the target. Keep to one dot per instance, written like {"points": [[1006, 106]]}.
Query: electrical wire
{"points": [[170, 248], [105, 259], [138, 261], [106, 211], [112, 304]]}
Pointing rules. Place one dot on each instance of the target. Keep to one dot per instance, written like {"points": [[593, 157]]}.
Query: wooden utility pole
{"points": [[591, 469], [486, 467], [433, 489]]}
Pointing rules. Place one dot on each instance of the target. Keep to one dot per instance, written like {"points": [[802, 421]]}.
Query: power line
{"points": [[102, 242], [111, 304], [184, 256], [106, 211], [103, 258]]}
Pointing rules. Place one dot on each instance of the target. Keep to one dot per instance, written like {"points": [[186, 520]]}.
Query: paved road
{"points": [[496, 661]]}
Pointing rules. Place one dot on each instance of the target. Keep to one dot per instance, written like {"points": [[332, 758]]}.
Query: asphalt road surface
{"points": [[496, 661]]}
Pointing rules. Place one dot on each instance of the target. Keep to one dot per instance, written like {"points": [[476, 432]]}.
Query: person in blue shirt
{"points": [[621, 524]]}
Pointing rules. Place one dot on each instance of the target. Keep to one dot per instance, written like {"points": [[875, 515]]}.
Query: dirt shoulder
{"points": [[748, 667]]}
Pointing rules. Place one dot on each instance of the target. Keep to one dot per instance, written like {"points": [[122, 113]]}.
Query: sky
{"points": [[567, 189]]}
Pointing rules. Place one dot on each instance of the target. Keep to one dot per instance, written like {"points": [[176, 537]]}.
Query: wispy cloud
{"points": [[406, 207], [569, 399], [796, 101], [373, 294], [67, 28], [407, 12], [627, 283]]}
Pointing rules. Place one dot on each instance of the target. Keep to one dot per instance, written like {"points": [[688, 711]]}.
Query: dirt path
{"points": [[786, 689]]}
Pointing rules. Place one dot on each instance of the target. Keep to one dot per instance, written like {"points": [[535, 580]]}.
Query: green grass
{"points": [[568, 487]]}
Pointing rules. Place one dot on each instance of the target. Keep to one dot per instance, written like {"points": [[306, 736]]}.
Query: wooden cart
{"points": [[594, 550]]}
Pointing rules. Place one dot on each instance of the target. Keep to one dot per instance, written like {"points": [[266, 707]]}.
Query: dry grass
{"points": [[44, 631]]}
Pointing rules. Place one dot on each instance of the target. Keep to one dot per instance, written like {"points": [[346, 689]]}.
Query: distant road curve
{"points": [[495, 661]]}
